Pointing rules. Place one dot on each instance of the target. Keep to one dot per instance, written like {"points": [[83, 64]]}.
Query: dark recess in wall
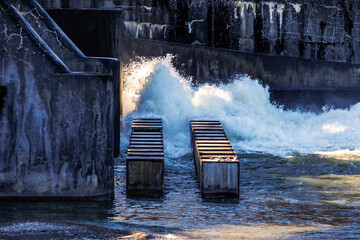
{"points": [[315, 100], [92, 31], [348, 18], [182, 16], [221, 21], [2, 96], [210, 25], [261, 45], [65, 4]]}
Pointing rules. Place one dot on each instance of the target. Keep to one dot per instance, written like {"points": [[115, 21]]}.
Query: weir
{"points": [[58, 76], [145, 158], [215, 160]]}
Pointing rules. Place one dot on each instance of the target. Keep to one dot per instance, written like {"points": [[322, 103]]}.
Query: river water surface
{"points": [[299, 171]]}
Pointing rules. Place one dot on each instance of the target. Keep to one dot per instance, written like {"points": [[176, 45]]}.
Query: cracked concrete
{"points": [[50, 36]]}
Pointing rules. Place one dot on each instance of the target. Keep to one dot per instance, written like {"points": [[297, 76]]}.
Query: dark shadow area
{"points": [[55, 211], [315, 101], [234, 200], [95, 31]]}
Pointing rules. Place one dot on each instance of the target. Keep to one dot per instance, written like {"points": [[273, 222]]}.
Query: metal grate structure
{"points": [[145, 158], [216, 162]]}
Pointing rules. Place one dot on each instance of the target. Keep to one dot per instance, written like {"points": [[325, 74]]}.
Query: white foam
{"points": [[153, 88]]}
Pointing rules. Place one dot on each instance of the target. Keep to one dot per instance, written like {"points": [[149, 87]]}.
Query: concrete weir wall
{"points": [[278, 72], [57, 111]]}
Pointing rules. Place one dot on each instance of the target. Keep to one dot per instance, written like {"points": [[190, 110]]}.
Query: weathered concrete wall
{"points": [[269, 30], [279, 72], [70, 54], [97, 32], [56, 127], [326, 30]]}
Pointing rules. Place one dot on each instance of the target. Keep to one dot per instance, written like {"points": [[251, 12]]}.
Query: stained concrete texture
{"points": [[325, 30], [312, 29], [56, 126]]}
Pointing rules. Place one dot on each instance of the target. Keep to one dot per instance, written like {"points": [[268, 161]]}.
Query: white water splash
{"points": [[334, 128], [153, 88]]}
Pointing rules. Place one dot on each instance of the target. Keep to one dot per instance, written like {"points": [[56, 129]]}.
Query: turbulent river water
{"points": [[299, 171]]}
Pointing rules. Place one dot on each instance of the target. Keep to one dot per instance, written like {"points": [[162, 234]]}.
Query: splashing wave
{"points": [[153, 88]]}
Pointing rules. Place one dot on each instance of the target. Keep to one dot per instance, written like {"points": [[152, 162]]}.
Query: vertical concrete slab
{"points": [[56, 126]]}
